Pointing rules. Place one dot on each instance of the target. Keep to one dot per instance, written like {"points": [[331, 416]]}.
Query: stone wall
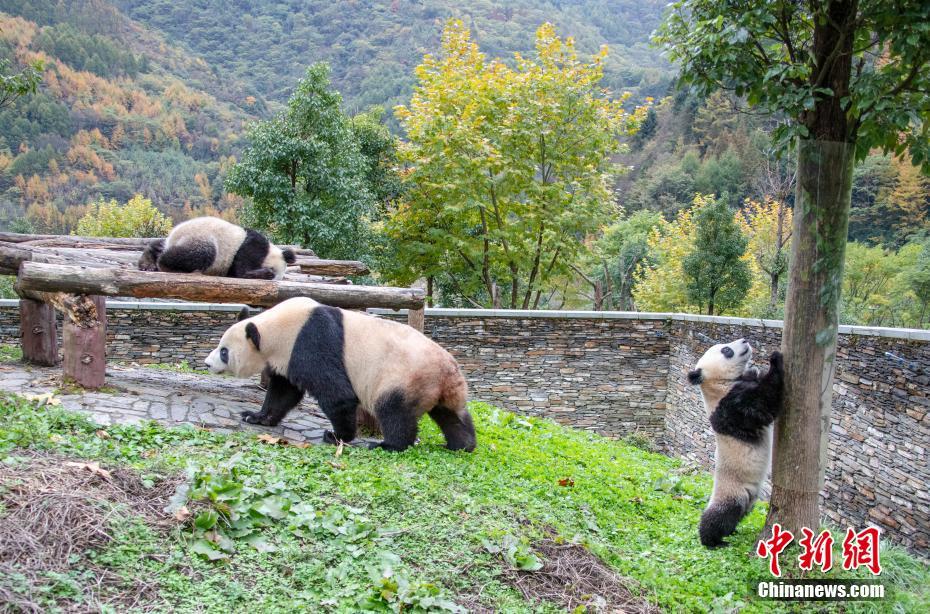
{"points": [[615, 373]]}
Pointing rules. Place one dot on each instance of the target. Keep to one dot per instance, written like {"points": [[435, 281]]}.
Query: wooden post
{"points": [[84, 349], [416, 317], [38, 332]]}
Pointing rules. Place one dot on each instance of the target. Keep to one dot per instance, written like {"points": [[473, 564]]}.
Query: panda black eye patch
{"points": [[727, 351], [224, 355]]}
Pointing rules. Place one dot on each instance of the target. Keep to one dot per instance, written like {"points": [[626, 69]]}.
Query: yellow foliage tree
{"points": [[660, 280], [137, 218], [768, 226], [508, 166]]}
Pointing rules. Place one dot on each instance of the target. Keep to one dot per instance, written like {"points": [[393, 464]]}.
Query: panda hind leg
{"points": [[456, 427], [398, 422], [720, 519], [191, 257]]}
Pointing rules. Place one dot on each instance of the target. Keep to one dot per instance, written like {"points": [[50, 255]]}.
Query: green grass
{"points": [[10, 353], [180, 367], [333, 525]]}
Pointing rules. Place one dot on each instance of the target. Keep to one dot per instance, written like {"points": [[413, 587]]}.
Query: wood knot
{"points": [[37, 330], [86, 359]]}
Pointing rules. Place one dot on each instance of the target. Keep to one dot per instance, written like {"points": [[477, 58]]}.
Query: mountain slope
{"points": [[374, 46], [119, 111]]}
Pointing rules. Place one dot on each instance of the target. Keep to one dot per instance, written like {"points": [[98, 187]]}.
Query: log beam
{"points": [[38, 332], [335, 268], [36, 276]]}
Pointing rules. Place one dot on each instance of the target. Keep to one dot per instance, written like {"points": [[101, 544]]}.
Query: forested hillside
{"points": [[373, 46], [119, 112]]}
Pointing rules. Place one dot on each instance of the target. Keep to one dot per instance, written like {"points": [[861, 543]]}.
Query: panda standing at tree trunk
{"points": [[348, 361], [216, 247], [742, 408]]}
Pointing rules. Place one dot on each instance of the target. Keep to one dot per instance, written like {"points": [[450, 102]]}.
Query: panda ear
{"points": [[695, 377], [243, 314], [251, 333], [289, 256]]}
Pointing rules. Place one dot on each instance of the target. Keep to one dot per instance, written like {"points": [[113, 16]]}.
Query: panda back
{"points": [[223, 236]]}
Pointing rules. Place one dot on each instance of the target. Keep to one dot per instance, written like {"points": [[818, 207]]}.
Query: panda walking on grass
{"points": [[349, 362], [742, 407]]}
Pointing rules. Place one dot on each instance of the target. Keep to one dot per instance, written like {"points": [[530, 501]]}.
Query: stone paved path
{"points": [[139, 393]]}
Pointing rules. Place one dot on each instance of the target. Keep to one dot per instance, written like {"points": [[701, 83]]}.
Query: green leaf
{"points": [[206, 520], [205, 549]]}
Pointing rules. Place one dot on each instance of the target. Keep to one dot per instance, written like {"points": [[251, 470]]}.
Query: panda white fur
{"points": [[216, 247], [348, 361], [742, 408]]}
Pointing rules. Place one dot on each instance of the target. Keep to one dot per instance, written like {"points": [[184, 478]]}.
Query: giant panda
{"points": [[348, 361], [742, 407], [216, 247]]}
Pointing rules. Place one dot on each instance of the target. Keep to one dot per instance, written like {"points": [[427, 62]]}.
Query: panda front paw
{"points": [[254, 417], [777, 361]]}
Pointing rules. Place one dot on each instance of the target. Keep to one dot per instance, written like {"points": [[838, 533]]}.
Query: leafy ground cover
{"points": [[239, 522]]}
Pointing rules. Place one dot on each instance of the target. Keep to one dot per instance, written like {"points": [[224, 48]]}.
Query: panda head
{"points": [[240, 350], [724, 362], [277, 260]]}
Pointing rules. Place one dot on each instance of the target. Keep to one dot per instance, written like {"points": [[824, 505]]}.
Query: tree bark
{"points": [[38, 332], [35, 276], [809, 340]]}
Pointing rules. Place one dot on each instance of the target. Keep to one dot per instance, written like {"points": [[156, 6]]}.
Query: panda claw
{"points": [[252, 417]]}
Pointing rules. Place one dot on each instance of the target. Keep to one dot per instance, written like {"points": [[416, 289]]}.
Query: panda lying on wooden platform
{"points": [[742, 408], [216, 247], [348, 361]]}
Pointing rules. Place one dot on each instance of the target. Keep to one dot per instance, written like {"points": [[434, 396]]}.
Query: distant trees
{"points": [[716, 274], [306, 175], [137, 218], [507, 169], [618, 254]]}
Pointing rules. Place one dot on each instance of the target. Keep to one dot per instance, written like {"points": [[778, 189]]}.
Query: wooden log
{"points": [[336, 268], [36, 276], [75, 241], [416, 318], [84, 349], [76, 308], [38, 333]]}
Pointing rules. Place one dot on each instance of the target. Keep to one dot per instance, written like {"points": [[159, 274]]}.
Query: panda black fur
{"points": [[216, 247], [348, 361], [742, 407]]}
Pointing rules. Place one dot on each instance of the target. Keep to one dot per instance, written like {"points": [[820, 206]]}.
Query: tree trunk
{"points": [[429, 291], [773, 292], [818, 248]]}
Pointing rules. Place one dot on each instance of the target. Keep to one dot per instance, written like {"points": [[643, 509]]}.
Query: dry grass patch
{"points": [[53, 510], [573, 576]]}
